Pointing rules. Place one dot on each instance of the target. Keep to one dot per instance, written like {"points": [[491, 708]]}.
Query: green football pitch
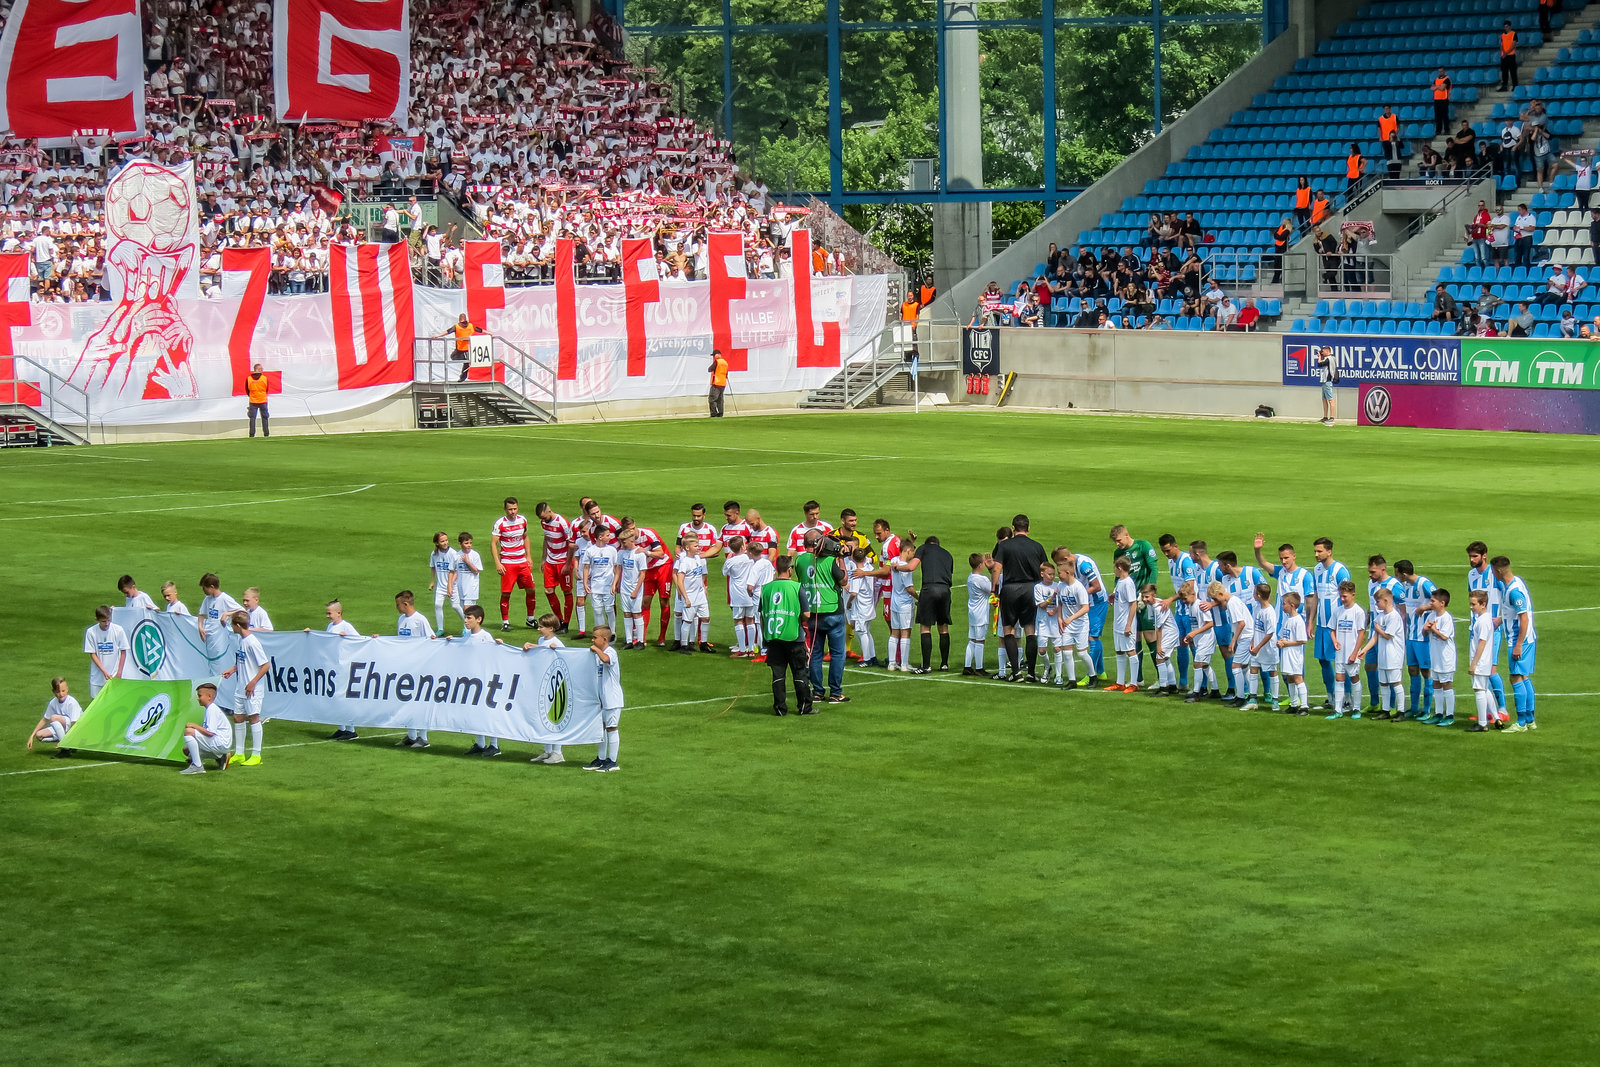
{"points": [[944, 870]]}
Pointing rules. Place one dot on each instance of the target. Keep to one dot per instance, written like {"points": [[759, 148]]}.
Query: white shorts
{"points": [[1122, 642], [900, 616], [57, 731], [214, 746], [633, 603], [1292, 661], [1443, 676], [578, 588], [741, 609], [439, 598], [1205, 649], [978, 631], [859, 623], [604, 603], [610, 717], [1343, 669], [1391, 677], [695, 610], [94, 687], [461, 601], [1047, 629], [1482, 682], [248, 706], [1267, 658], [1166, 646]]}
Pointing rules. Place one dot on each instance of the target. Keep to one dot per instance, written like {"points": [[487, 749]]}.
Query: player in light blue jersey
{"points": [[1325, 578], [1099, 599], [1416, 600], [1378, 577], [1240, 581], [1210, 572], [1523, 639], [1481, 577], [1287, 573], [1182, 568]]}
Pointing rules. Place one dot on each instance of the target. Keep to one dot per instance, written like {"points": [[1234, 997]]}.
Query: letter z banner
{"points": [[341, 59], [66, 66]]}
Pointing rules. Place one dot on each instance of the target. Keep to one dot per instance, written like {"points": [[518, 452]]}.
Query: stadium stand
{"points": [[1240, 184], [594, 153]]}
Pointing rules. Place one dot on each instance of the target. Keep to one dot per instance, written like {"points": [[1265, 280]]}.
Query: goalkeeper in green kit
{"points": [[1141, 557]]}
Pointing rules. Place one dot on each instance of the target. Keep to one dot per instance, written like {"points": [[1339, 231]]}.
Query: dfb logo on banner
{"points": [[980, 351]]}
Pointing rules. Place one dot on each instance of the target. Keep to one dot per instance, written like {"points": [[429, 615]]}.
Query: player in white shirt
{"points": [[549, 625], [629, 588], [1349, 628], [1239, 624], [1481, 576], [260, 621], [1388, 638], [1262, 654], [216, 607], [1181, 568], [135, 599], [441, 576], [1077, 624], [707, 544], [1439, 630], [340, 628], [412, 624], [761, 572], [1240, 580], [1414, 598], [1124, 632], [59, 714], [208, 737], [1480, 658], [1291, 644], [862, 603], [600, 577], [1047, 622], [609, 667], [582, 542], [1202, 642], [169, 593], [249, 668], [689, 583], [1165, 625], [902, 606], [106, 644], [474, 634], [468, 576], [980, 587], [736, 573], [1378, 577]]}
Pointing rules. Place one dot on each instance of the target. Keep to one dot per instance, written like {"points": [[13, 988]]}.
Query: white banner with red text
{"points": [[184, 361]]}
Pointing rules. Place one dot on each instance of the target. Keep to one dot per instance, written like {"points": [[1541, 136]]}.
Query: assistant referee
{"points": [[1020, 558], [933, 603]]}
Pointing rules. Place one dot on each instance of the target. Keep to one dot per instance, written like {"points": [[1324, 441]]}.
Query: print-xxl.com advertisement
{"points": [[1430, 360]]}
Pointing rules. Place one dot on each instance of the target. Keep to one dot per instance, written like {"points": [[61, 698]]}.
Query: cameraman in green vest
{"points": [[822, 580], [783, 619]]}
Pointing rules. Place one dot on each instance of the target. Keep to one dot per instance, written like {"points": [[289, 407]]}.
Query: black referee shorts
{"points": [[1016, 604], [933, 606]]}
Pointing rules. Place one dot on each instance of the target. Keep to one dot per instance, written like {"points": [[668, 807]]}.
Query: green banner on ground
{"points": [[137, 718], [1530, 364]]}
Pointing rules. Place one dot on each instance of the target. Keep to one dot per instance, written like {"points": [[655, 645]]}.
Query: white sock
{"points": [[615, 743], [1338, 692], [1485, 700], [238, 739], [905, 651], [1355, 692], [191, 745], [583, 618], [869, 647], [422, 735], [255, 739], [483, 742], [1004, 660], [1273, 679], [1122, 668], [1197, 678], [686, 633], [1449, 698], [438, 617]]}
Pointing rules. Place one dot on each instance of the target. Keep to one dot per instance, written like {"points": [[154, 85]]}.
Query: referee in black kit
{"points": [[1020, 558], [933, 603]]}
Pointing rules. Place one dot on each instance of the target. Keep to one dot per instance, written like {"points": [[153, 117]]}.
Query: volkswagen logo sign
{"points": [[1375, 405]]}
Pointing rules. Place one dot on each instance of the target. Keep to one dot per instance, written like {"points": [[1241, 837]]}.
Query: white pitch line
{"points": [[719, 448], [185, 507], [128, 763], [735, 696]]}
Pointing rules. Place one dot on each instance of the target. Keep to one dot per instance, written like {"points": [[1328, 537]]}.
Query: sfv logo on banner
{"points": [[341, 59], [1436, 360], [66, 66]]}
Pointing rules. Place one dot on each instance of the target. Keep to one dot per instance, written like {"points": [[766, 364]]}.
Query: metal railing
{"points": [[60, 402], [1251, 274], [865, 370], [1342, 274], [531, 378], [1459, 187]]}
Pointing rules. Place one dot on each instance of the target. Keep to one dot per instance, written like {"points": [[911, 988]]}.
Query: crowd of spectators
{"points": [[534, 124]]}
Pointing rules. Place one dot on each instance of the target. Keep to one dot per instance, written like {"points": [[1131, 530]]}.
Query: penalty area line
{"points": [[128, 763], [187, 507]]}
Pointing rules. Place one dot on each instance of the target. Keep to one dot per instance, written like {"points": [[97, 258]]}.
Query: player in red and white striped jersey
{"points": [[889, 543], [797, 536], [509, 541], [761, 534], [591, 511], [735, 526], [557, 561], [707, 544], [657, 579]]}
